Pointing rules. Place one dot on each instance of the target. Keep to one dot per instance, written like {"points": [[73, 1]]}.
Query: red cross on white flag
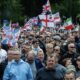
{"points": [[47, 20]]}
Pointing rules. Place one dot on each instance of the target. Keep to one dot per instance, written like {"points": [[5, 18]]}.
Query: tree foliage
{"points": [[10, 9], [18, 9], [67, 8]]}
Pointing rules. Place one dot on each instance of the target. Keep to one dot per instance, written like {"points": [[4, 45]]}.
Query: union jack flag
{"points": [[33, 21]]}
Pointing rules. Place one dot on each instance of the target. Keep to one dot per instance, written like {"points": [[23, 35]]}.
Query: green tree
{"points": [[68, 8], [17, 9], [11, 9]]}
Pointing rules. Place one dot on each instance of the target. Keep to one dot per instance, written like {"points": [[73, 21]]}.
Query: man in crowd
{"points": [[49, 49], [50, 72], [17, 69], [71, 53], [31, 60], [3, 57], [35, 46], [24, 51], [69, 75]]}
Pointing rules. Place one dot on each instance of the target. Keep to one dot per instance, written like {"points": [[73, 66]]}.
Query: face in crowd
{"points": [[14, 54], [66, 62], [57, 50], [71, 39], [71, 48], [49, 48], [40, 55], [51, 62], [25, 48], [30, 56], [78, 62], [35, 43], [69, 76], [47, 39]]}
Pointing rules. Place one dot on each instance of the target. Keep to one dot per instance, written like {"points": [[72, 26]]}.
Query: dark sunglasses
{"points": [[72, 47], [56, 49], [78, 59], [37, 43]]}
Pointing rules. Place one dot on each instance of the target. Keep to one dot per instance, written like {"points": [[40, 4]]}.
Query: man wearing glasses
{"points": [[71, 53]]}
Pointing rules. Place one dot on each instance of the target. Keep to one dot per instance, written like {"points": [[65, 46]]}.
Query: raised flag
{"points": [[42, 29], [28, 25], [57, 18], [16, 34], [46, 7], [9, 36], [47, 20], [68, 24], [6, 23], [34, 20]]}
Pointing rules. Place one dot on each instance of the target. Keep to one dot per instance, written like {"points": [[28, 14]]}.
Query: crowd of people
{"points": [[42, 56]]}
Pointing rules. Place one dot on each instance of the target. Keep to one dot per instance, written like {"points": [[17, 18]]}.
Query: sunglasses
{"points": [[36, 43], [72, 47], [78, 59], [56, 49], [69, 79]]}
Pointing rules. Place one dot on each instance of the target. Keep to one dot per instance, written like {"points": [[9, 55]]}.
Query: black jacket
{"points": [[45, 74], [2, 68], [73, 57]]}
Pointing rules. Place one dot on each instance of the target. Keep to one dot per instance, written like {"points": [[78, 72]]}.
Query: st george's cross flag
{"points": [[47, 20]]}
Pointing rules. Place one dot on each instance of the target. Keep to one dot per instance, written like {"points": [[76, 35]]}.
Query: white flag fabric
{"points": [[47, 20], [33, 21], [50, 20], [57, 18]]}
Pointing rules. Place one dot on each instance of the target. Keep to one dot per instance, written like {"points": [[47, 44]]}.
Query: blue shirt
{"points": [[18, 71]]}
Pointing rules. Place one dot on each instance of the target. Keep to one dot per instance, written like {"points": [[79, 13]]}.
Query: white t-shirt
{"points": [[3, 55]]}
